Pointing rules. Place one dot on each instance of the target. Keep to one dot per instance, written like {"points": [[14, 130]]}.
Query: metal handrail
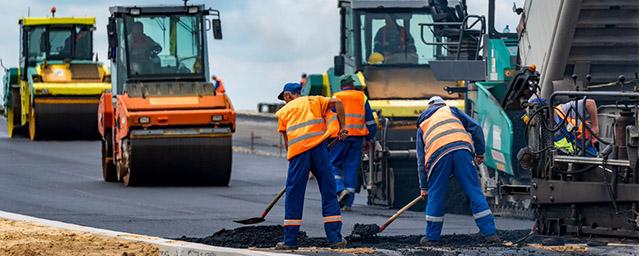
{"points": [[464, 27]]}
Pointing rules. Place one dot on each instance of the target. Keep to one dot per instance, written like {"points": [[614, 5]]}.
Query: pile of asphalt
{"points": [[268, 236]]}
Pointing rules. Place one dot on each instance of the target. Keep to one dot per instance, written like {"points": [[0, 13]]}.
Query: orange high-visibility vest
{"points": [[440, 129], [220, 86], [353, 102], [303, 121], [572, 123]]}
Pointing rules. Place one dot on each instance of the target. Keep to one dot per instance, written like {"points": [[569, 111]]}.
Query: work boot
{"points": [[343, 197], [339, 245], [283, 247], [426, 242], [492, 239], [345, 209]]}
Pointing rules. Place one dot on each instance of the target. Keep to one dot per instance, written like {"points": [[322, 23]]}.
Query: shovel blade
{"points": [[250, 221], [366, 230]]}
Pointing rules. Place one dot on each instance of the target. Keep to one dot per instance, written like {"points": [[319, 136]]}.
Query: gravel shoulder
{"points": [[18, 238]]}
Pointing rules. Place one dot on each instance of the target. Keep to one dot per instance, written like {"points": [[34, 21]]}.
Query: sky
{"points": [[266, 42]]}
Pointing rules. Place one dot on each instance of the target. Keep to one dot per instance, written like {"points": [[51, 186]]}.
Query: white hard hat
{"points": [[436, 100]]}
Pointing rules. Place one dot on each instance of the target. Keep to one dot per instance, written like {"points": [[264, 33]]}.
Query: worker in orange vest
{"points": [[346, 155], [302, 124], [446, 141], [218, 85]]}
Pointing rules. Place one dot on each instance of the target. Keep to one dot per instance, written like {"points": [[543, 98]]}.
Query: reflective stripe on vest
{"points": [[305, 129], [441, 129], [353, 102], [571, 123]]}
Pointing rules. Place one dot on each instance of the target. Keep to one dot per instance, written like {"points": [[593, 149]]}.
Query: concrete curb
{"points": [[167, 247]]}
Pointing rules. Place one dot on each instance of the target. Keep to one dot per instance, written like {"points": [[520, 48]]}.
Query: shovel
{"points": [[368, 230], [260, 219], [256, 220]]}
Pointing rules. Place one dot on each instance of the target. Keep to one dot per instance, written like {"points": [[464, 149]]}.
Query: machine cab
{"points": [[158, 45], [55, 41], [387, 42]]}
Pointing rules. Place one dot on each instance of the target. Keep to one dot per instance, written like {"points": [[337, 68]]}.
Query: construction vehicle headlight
{"points": [[216, 118], [134, 11], [143, 120], [193, 10]]}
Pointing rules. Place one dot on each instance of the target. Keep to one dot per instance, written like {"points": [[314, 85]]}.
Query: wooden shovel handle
{"points": [[273, 202], [400, 212]]}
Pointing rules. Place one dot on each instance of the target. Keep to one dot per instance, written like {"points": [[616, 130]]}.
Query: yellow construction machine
{"points": [[55, 90]]}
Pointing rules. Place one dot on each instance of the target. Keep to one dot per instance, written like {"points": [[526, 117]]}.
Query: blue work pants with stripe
{"points": [[346, 156], [460, 164], [315, 160]]}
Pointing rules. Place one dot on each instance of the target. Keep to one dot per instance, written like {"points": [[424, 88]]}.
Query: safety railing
{"points": [[467, 29]]}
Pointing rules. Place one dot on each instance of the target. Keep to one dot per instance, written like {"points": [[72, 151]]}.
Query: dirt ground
{"points": [[29, 239]]}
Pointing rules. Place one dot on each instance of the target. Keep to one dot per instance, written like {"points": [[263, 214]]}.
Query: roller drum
{"points": [[66, 121], [180, 161]]}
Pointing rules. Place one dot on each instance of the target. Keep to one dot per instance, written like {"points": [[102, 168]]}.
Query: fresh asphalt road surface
{"points": [[61, 180]]}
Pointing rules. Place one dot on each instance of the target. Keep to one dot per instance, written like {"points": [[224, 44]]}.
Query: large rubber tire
{"points": [[11, 129], [14, 116], [131, 178], [33, 131], [109, 173]]}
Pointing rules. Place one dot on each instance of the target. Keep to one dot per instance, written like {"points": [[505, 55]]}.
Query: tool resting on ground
{"points": [[366, 230], [266, 211]]}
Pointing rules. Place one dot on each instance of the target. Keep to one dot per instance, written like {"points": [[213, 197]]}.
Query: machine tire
{"points": [[130, 177], [11, 129], [109, 171], [14, 116], [33, 130]]}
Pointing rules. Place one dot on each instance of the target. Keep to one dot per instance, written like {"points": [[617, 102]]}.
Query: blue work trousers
{"points": [[346, 156], [460, 164], [315, 160]]}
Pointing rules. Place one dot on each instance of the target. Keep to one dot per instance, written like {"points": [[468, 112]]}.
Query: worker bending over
{"points": [[569, 138], [361, 128], [444, 148], [302, 124]]}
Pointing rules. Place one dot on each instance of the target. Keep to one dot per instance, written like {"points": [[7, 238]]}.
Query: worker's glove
{"points": [[479, 159], [343, 134]]}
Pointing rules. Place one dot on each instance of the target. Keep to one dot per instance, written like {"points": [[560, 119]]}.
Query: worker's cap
{"points": [[290, 87], [346, 80], [436, 100]]}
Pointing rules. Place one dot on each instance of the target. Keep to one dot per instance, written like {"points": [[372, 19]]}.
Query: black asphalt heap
{"points": [[268, 236]]}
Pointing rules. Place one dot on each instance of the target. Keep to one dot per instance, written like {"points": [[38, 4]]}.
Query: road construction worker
{"points": [[395, 43], [568, 139], [218, 85], [145, 58], [302, 124], [361, 128], [445, 143], [303, 79]]}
